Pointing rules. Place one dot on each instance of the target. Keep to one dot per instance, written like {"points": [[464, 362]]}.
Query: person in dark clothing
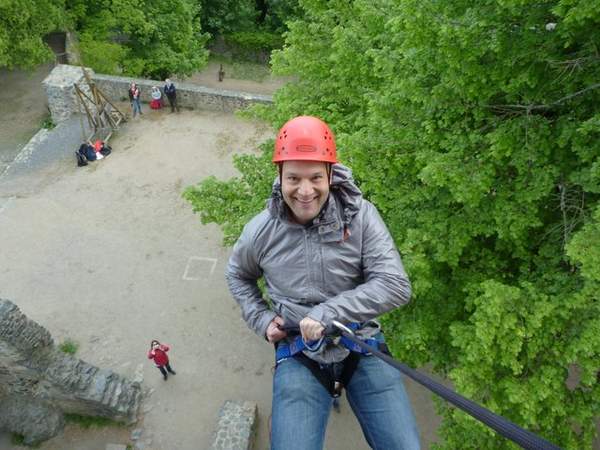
{"points": [[171, 94], [158, 353], [87, 151]]}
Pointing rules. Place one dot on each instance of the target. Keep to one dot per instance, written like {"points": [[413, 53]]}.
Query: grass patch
{"points": [[17, 439], [242, 70], [47, 122], [91, 421], [69, 347], [250, 71]]}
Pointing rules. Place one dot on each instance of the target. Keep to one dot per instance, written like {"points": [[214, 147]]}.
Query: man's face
{"points": [[305, 188]]}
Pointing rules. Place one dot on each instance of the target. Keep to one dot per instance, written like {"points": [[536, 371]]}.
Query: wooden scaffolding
{"points": [[103, 116]]}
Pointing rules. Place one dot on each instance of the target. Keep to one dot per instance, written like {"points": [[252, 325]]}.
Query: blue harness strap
{"points": [[289, 349]]}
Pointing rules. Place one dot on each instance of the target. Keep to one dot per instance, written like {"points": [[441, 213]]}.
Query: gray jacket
{"points": [[343, 266]]}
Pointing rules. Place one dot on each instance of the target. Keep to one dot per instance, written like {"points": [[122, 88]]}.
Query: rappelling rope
{"points": [[502, 426]]}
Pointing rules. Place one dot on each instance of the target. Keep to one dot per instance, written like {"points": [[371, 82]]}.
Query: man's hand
{"points": [[311, 329], [274, 334]]}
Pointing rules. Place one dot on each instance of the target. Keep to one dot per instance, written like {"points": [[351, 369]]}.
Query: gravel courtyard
{"points": [[111, 256]]}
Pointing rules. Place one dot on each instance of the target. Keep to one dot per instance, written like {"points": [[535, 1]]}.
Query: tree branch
{"points": [[530, 108]]}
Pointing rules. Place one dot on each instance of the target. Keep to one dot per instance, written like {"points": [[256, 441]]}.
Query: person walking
{"points": [[134, 98], [158, 353], [325, 254], [171, 93]]}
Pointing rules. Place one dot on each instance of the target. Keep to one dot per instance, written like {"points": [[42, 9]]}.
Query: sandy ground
{"points": [[111, 256]]}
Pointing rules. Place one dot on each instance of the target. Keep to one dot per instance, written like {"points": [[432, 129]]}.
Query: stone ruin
{"points": [[39, 384]]}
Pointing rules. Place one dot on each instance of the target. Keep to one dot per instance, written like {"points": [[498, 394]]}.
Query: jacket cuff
{"points": [[264, 322], [319, 313]]}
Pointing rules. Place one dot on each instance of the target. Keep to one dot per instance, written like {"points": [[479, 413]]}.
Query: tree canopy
{"points": [[153, 38], [474, 128], [23, 24]]}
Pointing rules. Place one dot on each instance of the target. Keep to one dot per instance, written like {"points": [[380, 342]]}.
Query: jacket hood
{"points": [[342, 188]]}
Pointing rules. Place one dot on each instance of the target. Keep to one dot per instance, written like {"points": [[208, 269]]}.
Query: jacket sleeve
{"points": [[150, 354], [386, 285], [242, 274], [165, 348]]}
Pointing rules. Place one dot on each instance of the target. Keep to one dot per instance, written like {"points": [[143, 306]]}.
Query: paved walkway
{"points": [[23, 106]]}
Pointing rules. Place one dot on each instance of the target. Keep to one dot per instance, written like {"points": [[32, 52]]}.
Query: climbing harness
{"points": [[288, 349], [334, 376], [502, 426]]}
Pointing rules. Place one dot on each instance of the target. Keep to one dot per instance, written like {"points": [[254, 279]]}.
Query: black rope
{"points": [[502, 426]]}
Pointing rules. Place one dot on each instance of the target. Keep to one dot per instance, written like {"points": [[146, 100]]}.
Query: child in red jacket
{"points": [[158, 352]]}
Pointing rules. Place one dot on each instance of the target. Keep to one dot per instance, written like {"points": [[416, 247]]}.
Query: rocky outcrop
{"points": [[39, 383]]}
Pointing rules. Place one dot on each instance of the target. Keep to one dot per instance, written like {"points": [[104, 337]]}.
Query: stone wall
{"points": [[58, 85], [62, 101], [188, 95], [39, 383], [236, 427]]}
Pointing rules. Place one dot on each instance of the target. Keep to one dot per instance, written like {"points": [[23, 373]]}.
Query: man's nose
{"points": [[305, 187]]}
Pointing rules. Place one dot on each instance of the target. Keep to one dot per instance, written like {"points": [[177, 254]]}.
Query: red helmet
{"points": [[305, 138]]}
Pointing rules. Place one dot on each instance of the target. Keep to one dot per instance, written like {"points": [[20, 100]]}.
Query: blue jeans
{"points": [[301, 407], [137, 107]]}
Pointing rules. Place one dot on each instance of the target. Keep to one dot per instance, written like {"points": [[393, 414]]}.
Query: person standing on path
{"points": [[171, 93], [134, 98], [325, 254], [156, 102], [158, 353]]}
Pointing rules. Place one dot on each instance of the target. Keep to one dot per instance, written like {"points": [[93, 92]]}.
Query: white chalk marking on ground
{"points": [[196, 267]]}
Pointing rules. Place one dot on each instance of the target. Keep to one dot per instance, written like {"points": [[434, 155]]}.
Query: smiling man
{"points": [[325, 255]]}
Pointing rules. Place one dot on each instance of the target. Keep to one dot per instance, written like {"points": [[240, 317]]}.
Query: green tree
{"points": [[244, 196], [275, 14], [23, 24], [474, 128], [152, 38], [228, 16]]}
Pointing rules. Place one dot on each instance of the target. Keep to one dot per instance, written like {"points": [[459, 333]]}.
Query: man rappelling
{"points": [[325, 254]]}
